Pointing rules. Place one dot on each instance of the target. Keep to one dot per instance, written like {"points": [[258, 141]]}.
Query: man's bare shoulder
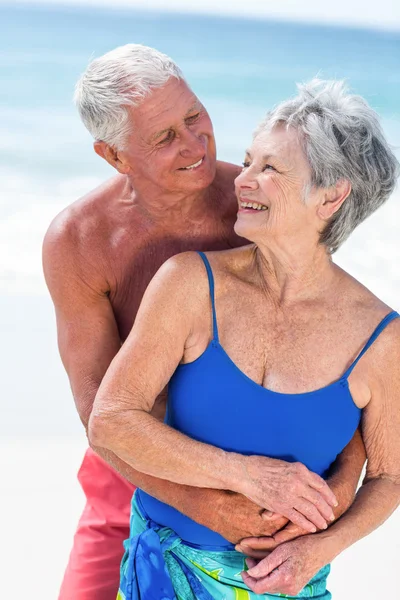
{"points": [[226, 175], [78, 241], [87, 216]]}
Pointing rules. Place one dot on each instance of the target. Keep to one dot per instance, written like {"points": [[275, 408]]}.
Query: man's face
{"points": [[172, 142]]}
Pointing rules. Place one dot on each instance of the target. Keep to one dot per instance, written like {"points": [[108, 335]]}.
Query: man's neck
{"points": [[172, 206]]}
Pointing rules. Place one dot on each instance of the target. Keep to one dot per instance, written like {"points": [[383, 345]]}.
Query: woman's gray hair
{"points": [[117, 80], [342, 139]]}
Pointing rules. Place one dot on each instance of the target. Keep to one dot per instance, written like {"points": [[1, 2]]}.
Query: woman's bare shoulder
{"points": [[368, 310], [188, 272], [231, 261]]}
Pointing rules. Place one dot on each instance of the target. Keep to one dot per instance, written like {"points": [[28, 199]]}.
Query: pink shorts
{"points": [[93, 569]]}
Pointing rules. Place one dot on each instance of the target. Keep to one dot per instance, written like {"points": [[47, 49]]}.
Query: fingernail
{"points": [[332, 517], [238, 549]]}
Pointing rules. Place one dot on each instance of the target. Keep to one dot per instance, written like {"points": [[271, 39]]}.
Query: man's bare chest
{"points": [[132, 264]]}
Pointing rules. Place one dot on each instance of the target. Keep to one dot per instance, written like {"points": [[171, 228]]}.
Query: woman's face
{"points": [[271, 189]]}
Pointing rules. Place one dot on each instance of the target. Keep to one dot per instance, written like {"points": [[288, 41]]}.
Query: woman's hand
{"points": [[289, 568], [289, 489]]}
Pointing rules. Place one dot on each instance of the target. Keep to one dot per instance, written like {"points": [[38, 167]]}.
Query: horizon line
{"points": [[181, 8]]}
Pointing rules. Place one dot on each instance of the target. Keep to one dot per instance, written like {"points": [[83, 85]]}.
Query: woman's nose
{"points": [[245, 180]]}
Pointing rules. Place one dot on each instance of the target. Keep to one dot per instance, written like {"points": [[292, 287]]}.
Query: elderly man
{"points": [[170, 194]]}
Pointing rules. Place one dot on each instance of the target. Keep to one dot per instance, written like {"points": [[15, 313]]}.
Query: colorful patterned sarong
{"points": [[158, 565]]}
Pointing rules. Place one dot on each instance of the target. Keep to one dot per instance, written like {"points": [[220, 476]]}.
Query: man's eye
{"points": [[245, 164], [267, 167], [192, 118], [168, 138]]}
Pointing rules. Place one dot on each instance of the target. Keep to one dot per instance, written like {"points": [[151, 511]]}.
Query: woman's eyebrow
{"points": [[265, 157]]}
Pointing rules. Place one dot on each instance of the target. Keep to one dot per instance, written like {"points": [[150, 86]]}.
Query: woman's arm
{"points": [[379, 494], [121, 421], [289, 568]]}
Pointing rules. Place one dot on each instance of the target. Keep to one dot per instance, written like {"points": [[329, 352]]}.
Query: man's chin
{"points": [[198, 180]]}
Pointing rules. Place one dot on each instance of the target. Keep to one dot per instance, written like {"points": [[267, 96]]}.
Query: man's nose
{"points": [[193, 144]]}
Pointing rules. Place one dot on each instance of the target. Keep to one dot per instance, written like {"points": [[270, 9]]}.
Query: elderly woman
{"points": [[273, 354]]}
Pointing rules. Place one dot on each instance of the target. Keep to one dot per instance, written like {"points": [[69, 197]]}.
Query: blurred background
{"points": [[240, 58]]}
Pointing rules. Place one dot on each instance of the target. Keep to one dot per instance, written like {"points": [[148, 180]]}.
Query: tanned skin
{"points": [[102, 251]]}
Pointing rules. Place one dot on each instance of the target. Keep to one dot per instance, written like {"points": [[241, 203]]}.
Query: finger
{"points": [[249, 581], [300, 520], [268, 515], [316, 482], [267, 565], [321, 504], [288, 534], [256, 554], [310, 511], [271, 584], [257, 543], [256, 551], [250, 562]]}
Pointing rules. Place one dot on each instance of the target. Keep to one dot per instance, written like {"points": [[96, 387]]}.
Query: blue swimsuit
{"points": [[211, 400], [170, 556]]}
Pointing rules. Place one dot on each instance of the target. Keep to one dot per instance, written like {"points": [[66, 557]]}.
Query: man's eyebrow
{"points": [[195, 105], [155, 136]]}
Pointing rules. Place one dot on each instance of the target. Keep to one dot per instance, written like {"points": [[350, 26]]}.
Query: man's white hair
{"points": [[117, 80]]}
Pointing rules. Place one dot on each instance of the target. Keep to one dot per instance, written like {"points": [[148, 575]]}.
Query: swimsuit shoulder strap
{"points": [[382, 325], [212, 294]]}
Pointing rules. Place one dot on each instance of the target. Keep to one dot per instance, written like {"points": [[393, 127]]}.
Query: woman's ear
{"points": [[333, 199], [113, 156]]}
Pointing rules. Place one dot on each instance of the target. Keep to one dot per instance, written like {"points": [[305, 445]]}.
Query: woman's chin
{"points": [[245, 230]]}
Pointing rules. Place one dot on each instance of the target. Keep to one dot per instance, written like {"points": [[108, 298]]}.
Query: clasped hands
{"points": [[285, 560]]}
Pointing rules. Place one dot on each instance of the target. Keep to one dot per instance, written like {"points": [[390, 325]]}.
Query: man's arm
{"points": [[88, 340]]}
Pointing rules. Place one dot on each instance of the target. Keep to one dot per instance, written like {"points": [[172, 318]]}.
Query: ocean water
{"points": [[239, 68]]}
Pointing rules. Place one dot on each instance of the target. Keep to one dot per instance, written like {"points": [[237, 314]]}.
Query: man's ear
{"points": [[113, 156], [333, 199]]}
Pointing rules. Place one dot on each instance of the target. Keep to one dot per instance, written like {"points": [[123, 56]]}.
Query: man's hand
{"points": [[236, 517], [260, 547], [289, 568]]}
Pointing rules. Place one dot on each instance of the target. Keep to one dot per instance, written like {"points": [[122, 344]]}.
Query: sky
{"points": [[384, 14]]}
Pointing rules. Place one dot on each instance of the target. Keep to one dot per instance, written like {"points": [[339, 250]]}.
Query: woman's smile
{"points": [[247, 205]]}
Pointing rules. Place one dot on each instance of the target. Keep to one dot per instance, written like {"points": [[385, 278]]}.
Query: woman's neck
{"points": [[290, 275]]}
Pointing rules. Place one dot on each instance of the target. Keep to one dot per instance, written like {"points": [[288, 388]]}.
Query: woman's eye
{"points": [[245, 164], [267, 167]]}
